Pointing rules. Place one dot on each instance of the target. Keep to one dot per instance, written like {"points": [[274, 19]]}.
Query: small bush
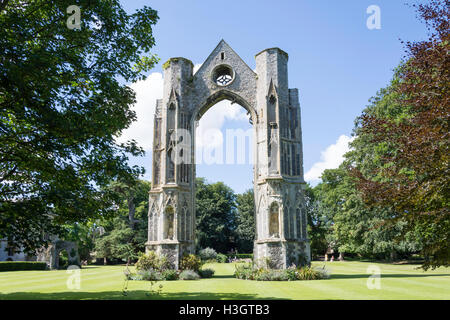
{"points": [[207, 254], [190, 262], [189, 275], [244, 271], [249, 272], [151, 260], [152, 275], [170, 275], [221, 258], [148, 275], [206, 273], [22, 265], [310, 273], [271, 275]]}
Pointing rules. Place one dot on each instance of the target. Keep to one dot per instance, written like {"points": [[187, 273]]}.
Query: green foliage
{"points": [[126, 234], [406, 168], [118, 242], [152, 261], [153, 275], [64, 100], [222, 258], [189, 275], [251, 272], [356, 228], [63, 262], [147, 275], [206, 273], [22, 265], [215, 214], [170, 274], [319, 223], [190, 262], [245, 221], [245, 272], [311, 273], [207, 254]]}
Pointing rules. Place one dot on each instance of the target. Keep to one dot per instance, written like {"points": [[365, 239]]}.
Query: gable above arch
{"points": [[224, 70]]}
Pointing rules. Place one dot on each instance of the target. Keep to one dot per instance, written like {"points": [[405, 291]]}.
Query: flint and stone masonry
{"points": [[278, 171]]}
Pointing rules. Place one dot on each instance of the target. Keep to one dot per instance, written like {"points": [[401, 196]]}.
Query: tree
{"points": [[215, 215], [319, 223], [357, 228], [413, 175], [126, 234], [245, 221], [63, 102], [119, 242], [84, 234]]}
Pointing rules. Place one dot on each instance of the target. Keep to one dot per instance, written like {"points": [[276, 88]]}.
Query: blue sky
{"points": [[335, 61]]}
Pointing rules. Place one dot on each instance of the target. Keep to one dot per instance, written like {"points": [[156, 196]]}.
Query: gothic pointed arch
{"points": [[275, 116]]}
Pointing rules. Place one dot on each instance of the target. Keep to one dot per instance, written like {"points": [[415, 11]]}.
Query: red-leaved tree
{"points": [[414, 178]]}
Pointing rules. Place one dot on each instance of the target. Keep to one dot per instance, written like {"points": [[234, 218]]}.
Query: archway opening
{"points": [[224, 147]]}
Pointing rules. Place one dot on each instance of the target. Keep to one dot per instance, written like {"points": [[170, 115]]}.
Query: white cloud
{"points": [[196, 67], [208, 132], [331, 158], [147, 91], [150, 89]]}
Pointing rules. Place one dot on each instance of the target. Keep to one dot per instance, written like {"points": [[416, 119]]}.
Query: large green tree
{"points": [[357, 228], [245, 221], [125, 235], [63, 102], [319, 222], [215, 215]]}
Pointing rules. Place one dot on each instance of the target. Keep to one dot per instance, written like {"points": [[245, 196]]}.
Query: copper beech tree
{"points": [[413, 177]]}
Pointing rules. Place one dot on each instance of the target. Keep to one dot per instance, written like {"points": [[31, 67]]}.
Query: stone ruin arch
{"points": [[50, 253], [278, 170]]}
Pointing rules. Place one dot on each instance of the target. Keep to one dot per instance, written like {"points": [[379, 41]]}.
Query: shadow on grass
{"points": [[131, 295], [357, 276], [224, 276]]}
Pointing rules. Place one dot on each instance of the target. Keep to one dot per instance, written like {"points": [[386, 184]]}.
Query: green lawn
{"points": [[348, 281]]}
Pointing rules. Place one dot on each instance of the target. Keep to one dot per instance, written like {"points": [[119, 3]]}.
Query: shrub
{"points": [[221, 258], [206, 273], [149, 275], [151, 260], [249, 272], [310, 273], [244, 271], [170, 275], [272, 275], [190, 262], [22, 265], [207, 254], [189, 275]]}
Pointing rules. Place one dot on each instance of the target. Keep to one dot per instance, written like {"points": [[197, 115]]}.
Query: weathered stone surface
{"points": [[50, 254], [275, 114]]}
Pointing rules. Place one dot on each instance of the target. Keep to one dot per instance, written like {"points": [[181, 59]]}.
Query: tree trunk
{"points": [[105, 262], [341, 256], [393, 255], [131, 211]]}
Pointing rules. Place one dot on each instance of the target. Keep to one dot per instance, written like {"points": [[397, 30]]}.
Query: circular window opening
{"points": [[223, 75]]}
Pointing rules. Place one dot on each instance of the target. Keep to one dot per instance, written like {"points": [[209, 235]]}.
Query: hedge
{"points": [[240, 255], [22, 265]]}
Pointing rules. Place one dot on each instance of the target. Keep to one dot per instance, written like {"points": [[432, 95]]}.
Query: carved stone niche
{"points": [[274, 220], [168, 225]]}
